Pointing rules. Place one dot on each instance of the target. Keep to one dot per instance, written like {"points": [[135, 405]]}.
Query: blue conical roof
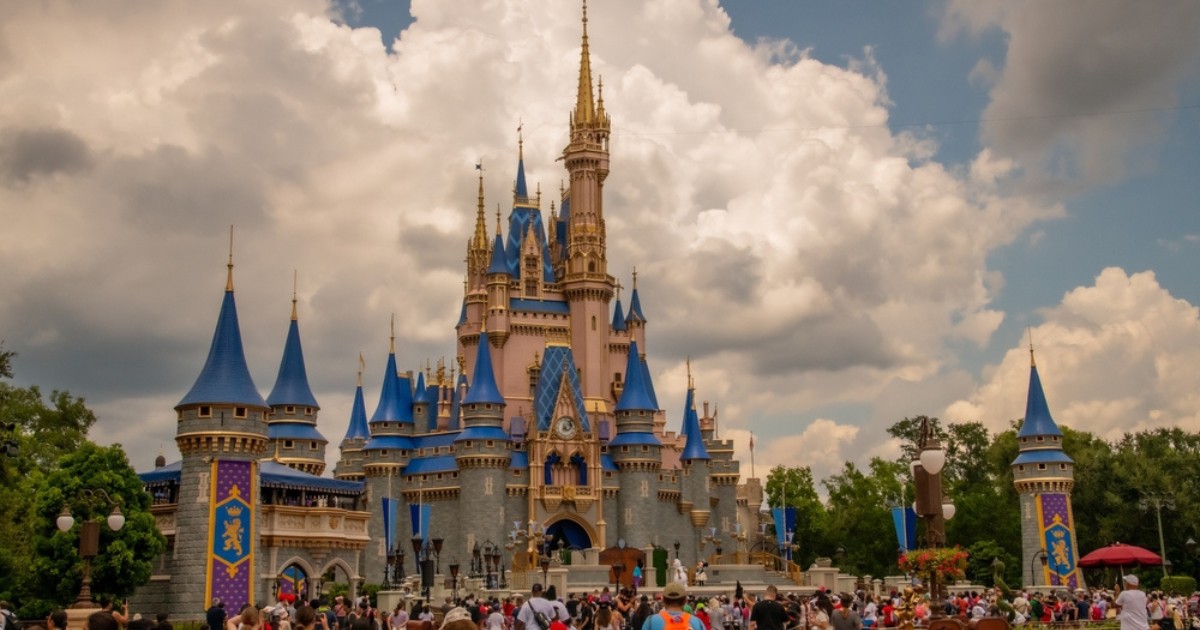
{"points": [[388, 409], [521, 190], [225, 378], [420, 396], [357, 429], [499, 263], [694, 447], [635, 397], [291, 386], [483, 382], [1037, 412], [635, 308], [618, 322]]}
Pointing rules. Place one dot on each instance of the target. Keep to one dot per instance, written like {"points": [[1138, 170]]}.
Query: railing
{"points": [[312, 524], [779, 564]]}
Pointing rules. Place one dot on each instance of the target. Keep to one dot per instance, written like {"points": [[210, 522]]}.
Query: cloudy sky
{"points": [[845, 212]]}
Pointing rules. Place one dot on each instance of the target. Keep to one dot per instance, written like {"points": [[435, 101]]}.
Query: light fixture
{"points": [[65, 521], [116, 520], [948, 509], [932, 460]]}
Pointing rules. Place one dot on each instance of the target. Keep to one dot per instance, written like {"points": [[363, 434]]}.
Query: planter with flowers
{"points": [[935, 566]]}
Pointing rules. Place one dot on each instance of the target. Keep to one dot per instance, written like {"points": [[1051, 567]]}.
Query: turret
{"points": [[482, 450], [636, 319], [1044, 477], [350, 466], [221, 434], [292, 429], [636, 451]]}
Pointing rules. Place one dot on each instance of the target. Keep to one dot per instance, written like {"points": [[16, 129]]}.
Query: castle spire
{"points": [[584, 105], [480, 239], [357, 429], [521, 190], [1038, 421], [483, 384], [693, 447], [291, 385], [225, 378]]}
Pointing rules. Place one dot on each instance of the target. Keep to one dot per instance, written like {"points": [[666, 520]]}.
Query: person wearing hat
{"points": [[1132, 606], [672, 616], [527, 615], [458, 618]]}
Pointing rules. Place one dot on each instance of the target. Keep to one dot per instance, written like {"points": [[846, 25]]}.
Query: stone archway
{"points": [[576, 533]]}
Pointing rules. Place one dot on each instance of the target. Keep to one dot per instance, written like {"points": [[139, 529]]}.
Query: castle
{"points": [[557, 440]]}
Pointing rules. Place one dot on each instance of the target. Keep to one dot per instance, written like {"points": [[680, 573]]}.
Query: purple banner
{"points": [[231, 534], [1058, 540]]}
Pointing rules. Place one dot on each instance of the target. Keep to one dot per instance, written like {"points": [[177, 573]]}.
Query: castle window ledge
{"points": [[328, 524]]}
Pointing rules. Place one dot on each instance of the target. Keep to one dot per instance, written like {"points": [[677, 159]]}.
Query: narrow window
{"points": [[205, 411], [289, 409], [239, 412], [288, 444]]}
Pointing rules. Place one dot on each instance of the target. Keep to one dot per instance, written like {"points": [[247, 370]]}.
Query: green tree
{"points": [[983, 554], [126, 556], [793, 486], [859, 520], [46, 429]]}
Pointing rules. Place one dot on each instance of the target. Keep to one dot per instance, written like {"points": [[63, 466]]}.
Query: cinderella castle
{"points": [[545, 434]]}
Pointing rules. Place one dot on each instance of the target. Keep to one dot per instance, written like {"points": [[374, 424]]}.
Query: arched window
{"points": [[552, 460], [580, 465]]}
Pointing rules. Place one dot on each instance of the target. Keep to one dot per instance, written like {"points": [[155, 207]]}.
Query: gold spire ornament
{"points": [[229, 266], [392, 337], [585, 112], [295, 280], [362, 366]]}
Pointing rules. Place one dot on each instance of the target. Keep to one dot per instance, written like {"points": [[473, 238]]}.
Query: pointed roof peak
{"points": [[1032, 360], [693, 447], [358, 429], [1038, 420], [291, 384], [618, 320], [499, 262], [295, 281], [483, 387], [480, 237], [635, 396], [225, 377], [421, 395], [584, 104], [520, 190], [392, 337]]}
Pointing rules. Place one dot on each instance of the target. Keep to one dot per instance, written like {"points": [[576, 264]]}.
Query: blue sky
{"points": [[844, 212]]}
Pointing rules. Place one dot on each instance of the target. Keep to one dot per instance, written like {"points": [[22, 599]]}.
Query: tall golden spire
{"points": [[362, 365], [392, 337], [481, 239], [584, 105], [229, 266], [295, 279], [1032, 361]]}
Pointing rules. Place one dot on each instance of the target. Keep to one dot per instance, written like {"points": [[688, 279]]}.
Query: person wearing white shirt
{"points": [[1132, 605]]}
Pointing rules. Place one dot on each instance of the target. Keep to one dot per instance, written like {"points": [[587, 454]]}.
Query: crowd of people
{"points": [[675, 609]]}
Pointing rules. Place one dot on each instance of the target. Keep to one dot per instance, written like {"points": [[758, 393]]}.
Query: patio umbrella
{"points": [[1119, 555]]}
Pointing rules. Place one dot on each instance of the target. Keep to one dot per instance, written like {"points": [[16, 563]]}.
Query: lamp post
{"points": [[676, 545], [476, 561], [89, 538], [618, 568], [454, 581], [1158, 502], [1040, 554], [496, 557], [438, 541]]}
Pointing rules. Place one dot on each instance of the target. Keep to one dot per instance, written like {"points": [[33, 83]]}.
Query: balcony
{"points": [[313, 527]]}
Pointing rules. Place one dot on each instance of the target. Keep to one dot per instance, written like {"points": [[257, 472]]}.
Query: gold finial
{"points": [[441, 371], [691, 383], [452, 366], [483, 324], [392, 338], [520, 140], [562, 189], [497, 219], [229, 265], [1032, 362], [428, 372], [539, 194], [618, 288], [362, 365], [276, 456], [295, 280], [600, 98], [584, 105], [635, 278]]}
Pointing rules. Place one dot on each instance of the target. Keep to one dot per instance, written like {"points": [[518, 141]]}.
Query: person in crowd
{"points": [[56, 620], [1132, 606], [768, 613], [846, 618], [672, 616]]}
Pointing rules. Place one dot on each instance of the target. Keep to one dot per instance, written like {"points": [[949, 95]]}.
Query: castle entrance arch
{"points": [[294, 582], [572, 534]]}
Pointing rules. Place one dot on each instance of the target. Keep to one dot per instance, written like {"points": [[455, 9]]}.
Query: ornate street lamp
{"points": [[89, 540], [618, 568], [1040, 554], [454, 580], [545, 564], [676, 545]]}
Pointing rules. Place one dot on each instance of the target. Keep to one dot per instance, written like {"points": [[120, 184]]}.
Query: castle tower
{"points": [[636, 320], [695, 487], [1044, 476], [221, 434], [350, 466], [482, 448], [386, 454], [636, 451], [585, 281], [292, 429]]}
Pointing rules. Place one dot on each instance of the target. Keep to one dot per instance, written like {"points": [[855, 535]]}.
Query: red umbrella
{"points": [[1119, 555]]}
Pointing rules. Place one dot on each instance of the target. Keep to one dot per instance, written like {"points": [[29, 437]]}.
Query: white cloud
{"points": [[1072, 83], [1113, 357], [802, 253]]}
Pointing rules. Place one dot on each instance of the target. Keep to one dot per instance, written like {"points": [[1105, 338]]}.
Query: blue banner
{"points": [[785, 521], [419, 515], [905, 520], [389, 522]]}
